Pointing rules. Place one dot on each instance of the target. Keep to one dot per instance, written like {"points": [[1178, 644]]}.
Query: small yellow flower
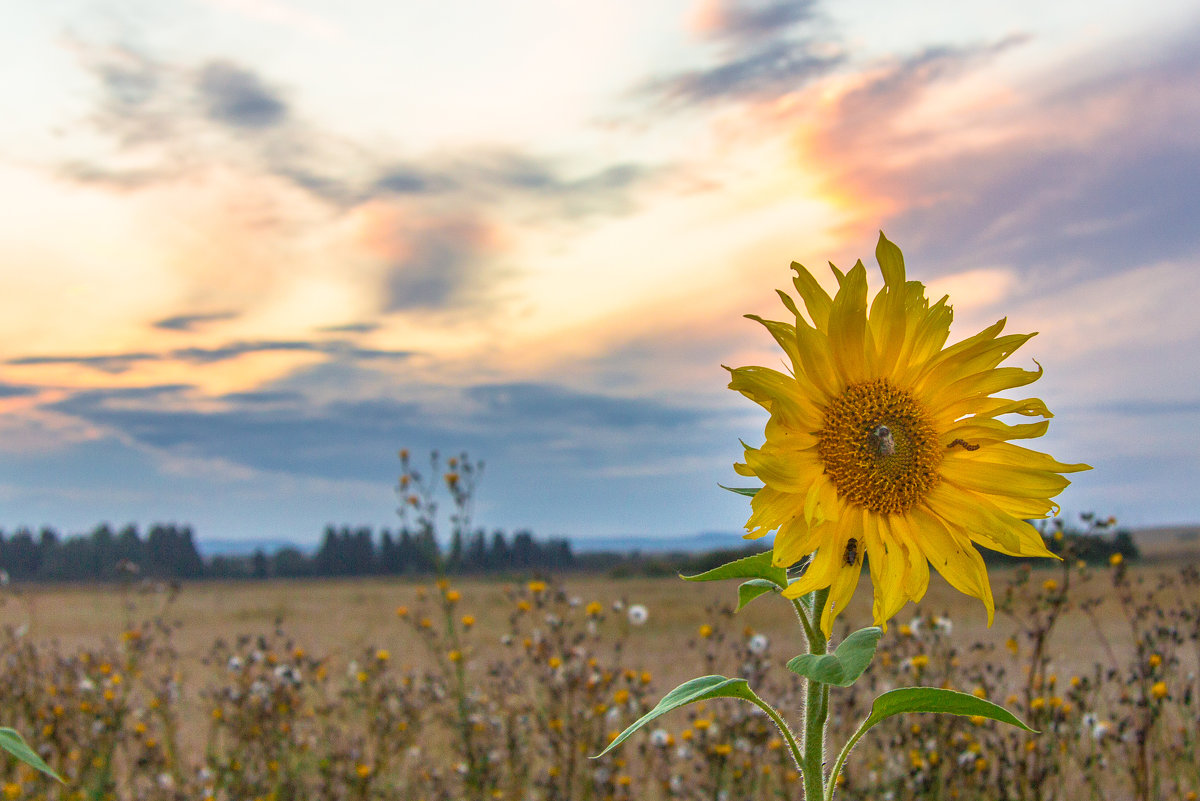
{"points": [[1116, 559], [468, 621], [453, 596], [621, 696], [362, 770], [362, 676], [383, 655], [645, 677], [920, 661], [1037, 703], [523, 605], [555, 662], [706, 631], [979, 692], [1155, 661], [12, 790], [702, 724], [401, 611], [1159, 690], [1050, 585], [1011, 645], [722, 749], [594, 609], [455, 656], [442, 584], [536, 587]]}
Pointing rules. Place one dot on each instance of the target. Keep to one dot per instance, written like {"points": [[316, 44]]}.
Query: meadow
{"points": [[383, 689]]}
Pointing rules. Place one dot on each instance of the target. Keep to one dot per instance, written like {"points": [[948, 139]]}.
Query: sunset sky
{"points": [[250, 248]]}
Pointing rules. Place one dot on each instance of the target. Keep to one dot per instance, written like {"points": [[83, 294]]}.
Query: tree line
{"points": [[168, 551]]}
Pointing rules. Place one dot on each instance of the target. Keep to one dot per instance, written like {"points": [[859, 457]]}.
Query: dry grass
{"points": [[340, 617], [338, 625]]}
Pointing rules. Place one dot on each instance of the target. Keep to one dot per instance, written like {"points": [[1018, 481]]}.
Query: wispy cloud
{"points": [[121, 362], [237, 97], [189, 322], [763, 50]]}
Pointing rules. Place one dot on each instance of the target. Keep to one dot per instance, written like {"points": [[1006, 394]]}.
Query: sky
{"points": [[251, 248]]}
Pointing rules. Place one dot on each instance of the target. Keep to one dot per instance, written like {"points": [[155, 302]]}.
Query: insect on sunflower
{"points": [[884, 445]]}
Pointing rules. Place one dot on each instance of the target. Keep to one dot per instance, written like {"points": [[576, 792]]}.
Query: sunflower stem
{"points": [[816, 699]]}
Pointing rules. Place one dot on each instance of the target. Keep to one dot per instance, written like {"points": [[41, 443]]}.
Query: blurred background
{"points": [[250, 248]]}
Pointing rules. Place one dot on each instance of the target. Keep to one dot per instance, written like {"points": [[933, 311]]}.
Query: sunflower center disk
{"points": [[878, 447]]}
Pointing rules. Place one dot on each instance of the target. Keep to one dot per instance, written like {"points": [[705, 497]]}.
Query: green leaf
{"points": [[11, 742], [758, 566], [700, 689], [934, 699], [845, 664], [749, 492], [921, 699], [753, 588]]}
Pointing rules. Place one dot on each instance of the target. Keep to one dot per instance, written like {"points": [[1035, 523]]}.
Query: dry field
{"points": [[339, 618], [485, 710]]}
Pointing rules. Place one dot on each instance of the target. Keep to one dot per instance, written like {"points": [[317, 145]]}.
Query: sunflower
{"points": [[884, 446]]}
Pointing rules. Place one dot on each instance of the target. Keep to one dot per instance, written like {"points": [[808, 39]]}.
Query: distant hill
{"points": [[210, 548], [1156, 542], [1168, 542], [694, 543]]}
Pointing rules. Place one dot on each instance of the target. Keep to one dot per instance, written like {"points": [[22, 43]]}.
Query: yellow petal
{"points": [[916, 580], [888, 562], [779, 394], [847, 326], [986, 430], [770, 509], [794, 541], [954, 557], [815, 298], [783, 470], [984, 522], [1002, 479]]}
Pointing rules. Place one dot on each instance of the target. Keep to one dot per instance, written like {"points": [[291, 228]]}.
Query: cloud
{"points": [[237, 97], [108, 363], [188, 322], [16, 391], [551, 406], [437, 265], [350, 328], [762, 74], [280, 431], [765, 50], [1068, 179], [748, 20], [121, 362]]}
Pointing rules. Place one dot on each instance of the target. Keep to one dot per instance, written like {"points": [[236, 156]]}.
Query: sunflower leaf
{"points": [[934, 699], [924, 699], [749, 492], [758, 566], [753, 588], [13, 743], [847, 662], [701, 689]]}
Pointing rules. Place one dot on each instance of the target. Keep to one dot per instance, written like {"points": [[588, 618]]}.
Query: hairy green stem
{"points": [[816, 701]]}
